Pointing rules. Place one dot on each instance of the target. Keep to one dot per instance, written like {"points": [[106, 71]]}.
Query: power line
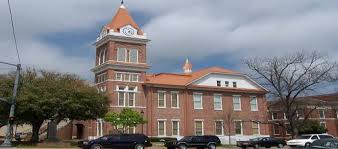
{"points": [[13, 31]]}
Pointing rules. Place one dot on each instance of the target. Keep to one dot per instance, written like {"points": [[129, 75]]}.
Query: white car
{"points": [[306, 140]]}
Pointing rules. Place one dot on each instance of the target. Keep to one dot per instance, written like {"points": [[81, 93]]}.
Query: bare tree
{"points": [[291, 76], [228, 120]]}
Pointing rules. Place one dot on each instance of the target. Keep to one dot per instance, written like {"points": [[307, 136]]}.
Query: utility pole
{"points": [[9, 135]]}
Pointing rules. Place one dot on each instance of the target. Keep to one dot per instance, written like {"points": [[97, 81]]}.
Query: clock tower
{"points": [[121, 65]]}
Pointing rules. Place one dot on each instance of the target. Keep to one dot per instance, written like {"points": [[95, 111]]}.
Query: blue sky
{"points": [[58, 35]]}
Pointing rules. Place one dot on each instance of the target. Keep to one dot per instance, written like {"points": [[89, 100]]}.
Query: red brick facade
{"points": [[148, 86], [328, 118]]}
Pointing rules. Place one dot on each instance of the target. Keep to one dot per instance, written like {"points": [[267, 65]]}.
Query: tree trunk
{"points": [[36, 128]]}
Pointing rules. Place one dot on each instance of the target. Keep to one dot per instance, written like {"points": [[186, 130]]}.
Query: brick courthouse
{"points": [[174, 104]]}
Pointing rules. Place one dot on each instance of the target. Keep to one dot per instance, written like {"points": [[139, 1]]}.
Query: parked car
{"points": [[262, 142], [306, 140], [209, 142], [123, 141], [325, 144]]}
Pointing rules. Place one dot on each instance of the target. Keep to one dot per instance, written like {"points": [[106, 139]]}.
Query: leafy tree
{"points": [[47, 95], [127, 118], [291, 76], [310, 127]]}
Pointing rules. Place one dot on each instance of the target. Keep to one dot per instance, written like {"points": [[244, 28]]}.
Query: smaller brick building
{"points": [[323, 108]]}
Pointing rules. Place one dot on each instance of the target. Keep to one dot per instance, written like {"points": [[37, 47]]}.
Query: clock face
{"points": [[128, 31]]}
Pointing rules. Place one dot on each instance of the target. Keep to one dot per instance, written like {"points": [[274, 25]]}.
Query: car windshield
{"points": [[256, 139], [303, 137], [186, 139]]}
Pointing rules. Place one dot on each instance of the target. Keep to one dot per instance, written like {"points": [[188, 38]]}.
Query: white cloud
{"points": [[178, 29]]}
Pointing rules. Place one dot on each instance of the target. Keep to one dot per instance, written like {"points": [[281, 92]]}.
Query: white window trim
{"points": [[298, 115], [178, 99], [272, 117], [126, 91], [221, 102], [285, 116], [136, 56], [199, 120], [259, 128], [240, 102], [118, 98], [125, 55], [99, 127], [164, 129], [323, 114], [164, 98], [222, 127], [241, 127], [201, 101], [133, 100], [121, 76], [257, 109], [286, 131], [273, 129], [226, 84], [234, 82], [325, 126], [172, 127]]}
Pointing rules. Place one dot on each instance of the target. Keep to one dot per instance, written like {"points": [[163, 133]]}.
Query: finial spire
{"points": [[122, 2], [187, 67]]}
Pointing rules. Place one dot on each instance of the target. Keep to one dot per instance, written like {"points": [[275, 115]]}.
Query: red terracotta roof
{"points": [[121, 19]]}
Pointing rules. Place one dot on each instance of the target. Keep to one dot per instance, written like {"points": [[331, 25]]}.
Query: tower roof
{"points": [[121, 19], [187, 67]]}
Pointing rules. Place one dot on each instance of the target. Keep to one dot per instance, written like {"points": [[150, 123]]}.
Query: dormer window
{"points": [[234, 84], [226, 83], [218, 83]]}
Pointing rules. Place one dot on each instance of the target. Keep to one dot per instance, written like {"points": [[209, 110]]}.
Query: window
{"points": [[126, 96], [198, 101], [198, 128], [161, 128], [174, 100], [321, 114], [226, 83], [275, 128], [101, 78], [121, 98], [102, 56], [219, 128], [126, 77], [236, 101], [315, 137], [118, 76], [121, 55], [300, 114], [238, 128], [99, 127], [161, 99], [287, 128], [131, 99], [134, 77], [253, 104], [133, 56], [234, 84], [255, 128], [323, 124], [274, 115], [219, 83], [217, 102], [101, 89], [130, 130], [285, 116], [175, 128]]}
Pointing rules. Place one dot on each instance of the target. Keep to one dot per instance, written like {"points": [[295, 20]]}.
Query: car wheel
{"points": [[96, 146], [211, 146], [307, 145], [139, 146], [257, 146], [182, 146], [280, 145]]}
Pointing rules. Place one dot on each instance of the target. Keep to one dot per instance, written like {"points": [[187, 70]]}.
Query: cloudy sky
{"points": [[58, 34]]}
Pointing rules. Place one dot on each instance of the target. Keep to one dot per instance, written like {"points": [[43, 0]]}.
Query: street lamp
{"points": [[142, 113], [9, 135]]}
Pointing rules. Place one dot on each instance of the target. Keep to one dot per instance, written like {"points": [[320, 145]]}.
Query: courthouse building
{"points": [[201, 102]]}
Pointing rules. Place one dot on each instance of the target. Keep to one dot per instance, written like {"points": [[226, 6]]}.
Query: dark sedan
{"points": [[262, 142], [119, 141], [325, 144]]}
